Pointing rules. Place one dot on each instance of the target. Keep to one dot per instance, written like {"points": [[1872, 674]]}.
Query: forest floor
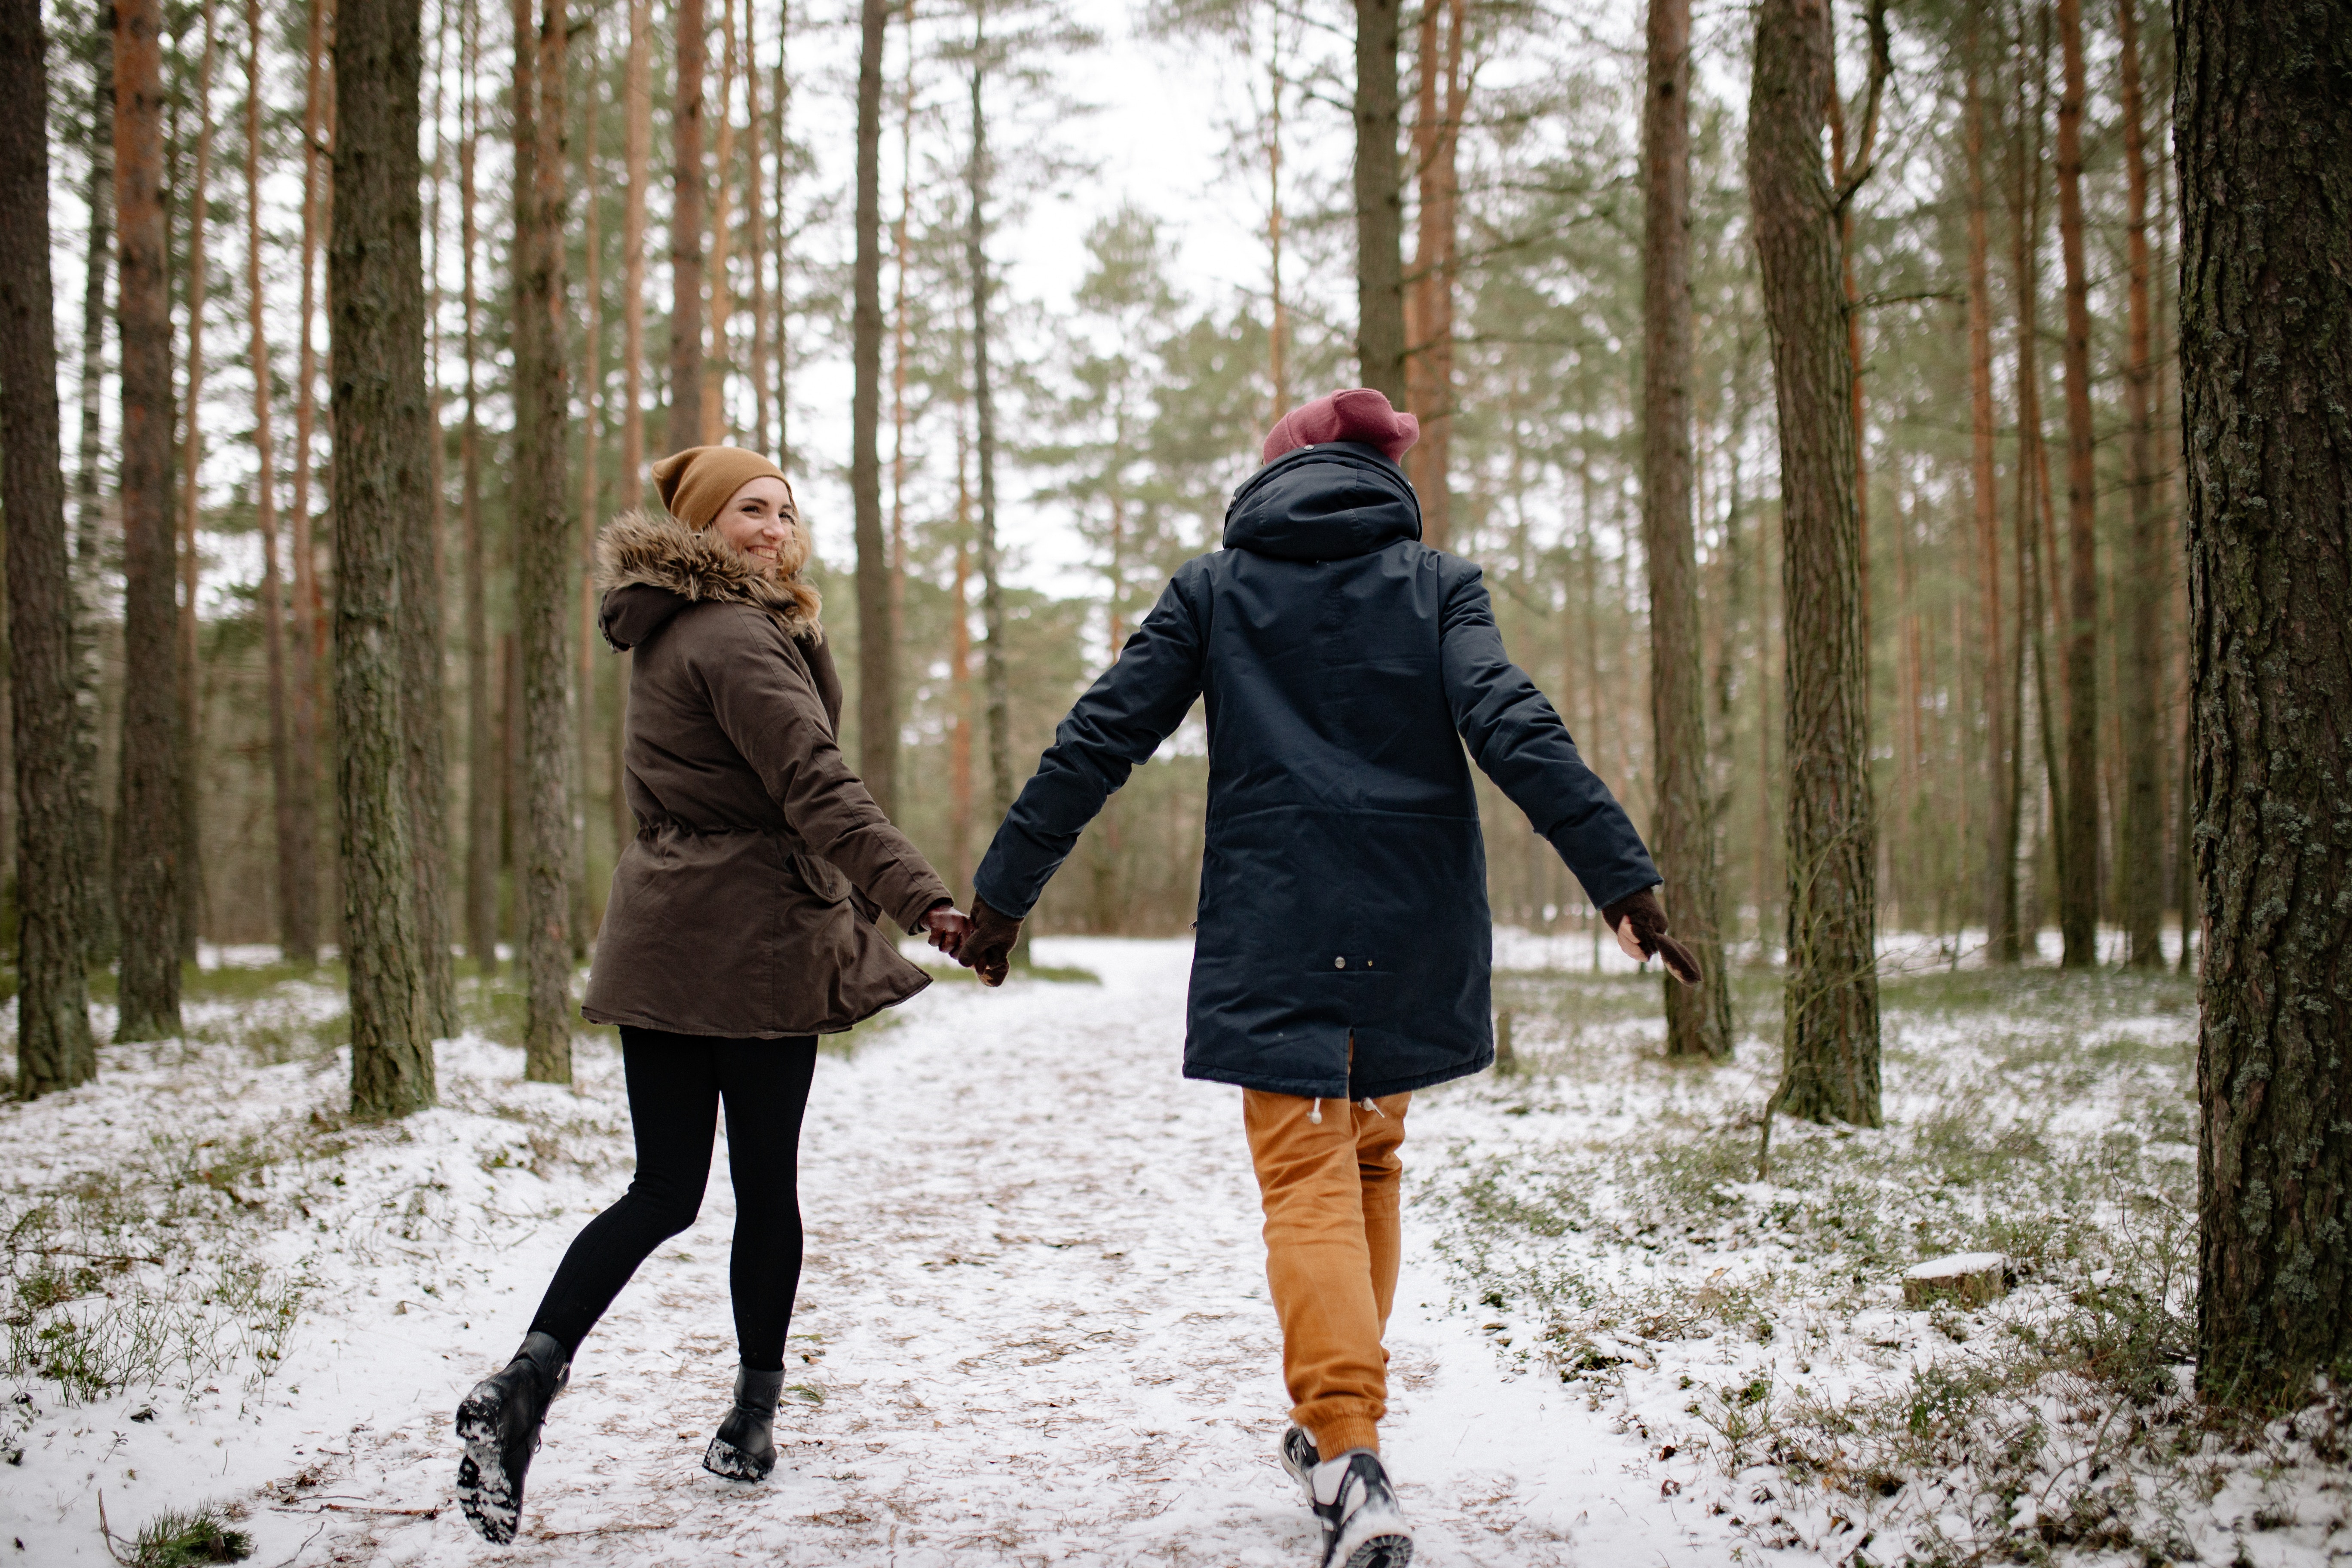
{"points": [[1034, 1329]]}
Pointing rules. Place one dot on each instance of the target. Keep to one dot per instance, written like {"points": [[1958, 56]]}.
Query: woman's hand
{"points": [[948, 927]]}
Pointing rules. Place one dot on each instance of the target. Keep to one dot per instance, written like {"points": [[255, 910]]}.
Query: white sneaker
{"points": [[1362, 1525], [1299, 1457]]}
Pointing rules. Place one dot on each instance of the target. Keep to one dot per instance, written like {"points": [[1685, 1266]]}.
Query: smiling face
{"points": [[759, 520]]}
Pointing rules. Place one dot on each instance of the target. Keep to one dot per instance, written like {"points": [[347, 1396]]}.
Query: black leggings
{"points": [[675, 1083]]}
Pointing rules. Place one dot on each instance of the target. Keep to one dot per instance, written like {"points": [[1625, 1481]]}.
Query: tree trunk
{"points": [[54, 1049], [996, 679], [585, 914], [877, 653], [1380, 203], [1429, 305], [1699, 1019], [2264, 136], [685, 235], [424, 745], [376, 303], [2032, 457], [2145, 585], [1830, 1040], [638, 89], [718, 358], [190, 685], [2078, 876], [543, 535], [2000, 871], [482, 792], [148, 818], [756, 239], [282, 783], [306, 648], [780, 346], [89, 511], [638, 97]]}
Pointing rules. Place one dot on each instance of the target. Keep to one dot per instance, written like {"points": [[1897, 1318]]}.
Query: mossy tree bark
{"points": [[379, 476], [1698, 1018], [54, 1050], [1830, 1046], [2264, 139], [89, 511], [148, 827], [543, 544]]}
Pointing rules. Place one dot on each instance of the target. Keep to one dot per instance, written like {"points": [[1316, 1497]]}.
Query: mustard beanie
{"points": [[697, 482]]}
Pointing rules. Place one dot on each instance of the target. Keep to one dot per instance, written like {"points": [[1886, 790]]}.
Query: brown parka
{"points": [[736, 909]]}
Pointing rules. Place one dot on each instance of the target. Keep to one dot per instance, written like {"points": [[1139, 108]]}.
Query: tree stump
{"points": [[1971, 1278]]}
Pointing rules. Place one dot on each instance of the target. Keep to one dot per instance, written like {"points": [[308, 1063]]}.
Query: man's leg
{"points": [[1381, 1171], [1328, 1183]]}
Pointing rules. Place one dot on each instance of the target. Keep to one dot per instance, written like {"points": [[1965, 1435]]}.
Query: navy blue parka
{"points": [[1346, 667]]}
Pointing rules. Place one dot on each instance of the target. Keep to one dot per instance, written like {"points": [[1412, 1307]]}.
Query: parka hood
{"points": [[1325, 502], [651, 566]]}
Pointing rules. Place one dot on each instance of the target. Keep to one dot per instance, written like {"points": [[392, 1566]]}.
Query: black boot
{"points": [[499, 1424], [745, 1448]]}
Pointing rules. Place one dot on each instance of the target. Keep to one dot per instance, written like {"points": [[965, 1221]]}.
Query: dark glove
{"points": [[1649, 918], [988, 950]]}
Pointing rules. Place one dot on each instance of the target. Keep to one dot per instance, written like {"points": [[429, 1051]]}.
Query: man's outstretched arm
{"points": [[1516, 736], [1122, 718]]}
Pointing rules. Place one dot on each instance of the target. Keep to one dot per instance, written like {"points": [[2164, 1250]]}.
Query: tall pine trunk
{"points": [[283, 785], [2001, 939], [716, 358], [686, 220], [1380, 203], [2078, 874], [2145, 584], [148, 827], [89, 510], [482, 791], [1829, 1068], [877, 654], [306, 649], [423, 723], [375, 305], [1699, 1019], [995, 675], [542, 535], [2264, 138], [54, 1049], [1429, 302], [189, 686], [584, 912]]}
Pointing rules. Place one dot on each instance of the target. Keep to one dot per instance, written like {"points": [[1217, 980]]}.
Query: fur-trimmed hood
{"points": [[651, 566]]}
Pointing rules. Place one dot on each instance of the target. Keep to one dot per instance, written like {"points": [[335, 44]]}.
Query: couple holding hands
{"points": [[1343, 944]]}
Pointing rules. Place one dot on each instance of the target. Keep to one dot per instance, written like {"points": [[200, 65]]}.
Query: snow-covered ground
{"points": [[1032, 1326]]}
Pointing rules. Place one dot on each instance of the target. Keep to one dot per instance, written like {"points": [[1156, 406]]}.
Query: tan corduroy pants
{"points": [[1330, 1189]]}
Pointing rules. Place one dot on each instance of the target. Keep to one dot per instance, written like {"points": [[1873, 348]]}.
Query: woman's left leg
{"points": [[764, 1085]]}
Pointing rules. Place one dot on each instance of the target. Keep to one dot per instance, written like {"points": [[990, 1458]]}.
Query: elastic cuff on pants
{"points": [[1345, 1433]]}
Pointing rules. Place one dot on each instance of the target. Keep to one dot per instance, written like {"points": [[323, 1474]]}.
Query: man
{"points": [[1344, 940]]}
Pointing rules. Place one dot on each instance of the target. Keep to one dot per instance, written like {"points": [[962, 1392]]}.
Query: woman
{"points": [[741, 926]]}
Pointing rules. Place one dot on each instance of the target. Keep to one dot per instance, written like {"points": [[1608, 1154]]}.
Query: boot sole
{"points": [[724, 1458], [1382, 1551], [486, 1493]]}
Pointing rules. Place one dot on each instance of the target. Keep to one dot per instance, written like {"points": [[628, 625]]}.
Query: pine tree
{"points": [[877, 671], [1379, 202], [1830, 1044], [376, 303], [148, 824], [686, 222], [2078, 874], [1698, 1020], [54, 1049]]}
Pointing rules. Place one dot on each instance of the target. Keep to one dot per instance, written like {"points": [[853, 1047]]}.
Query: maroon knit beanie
{"points": [[1357, 414]]}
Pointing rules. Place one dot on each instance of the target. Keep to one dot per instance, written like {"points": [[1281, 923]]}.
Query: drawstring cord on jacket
{"points": [[1316, 1115]]}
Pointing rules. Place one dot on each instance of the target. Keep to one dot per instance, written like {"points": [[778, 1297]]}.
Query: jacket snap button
{"points": [[1338, 964]]}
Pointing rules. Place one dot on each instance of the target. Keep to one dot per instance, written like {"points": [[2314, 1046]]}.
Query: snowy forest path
{"points": [[1033, 1328]]}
